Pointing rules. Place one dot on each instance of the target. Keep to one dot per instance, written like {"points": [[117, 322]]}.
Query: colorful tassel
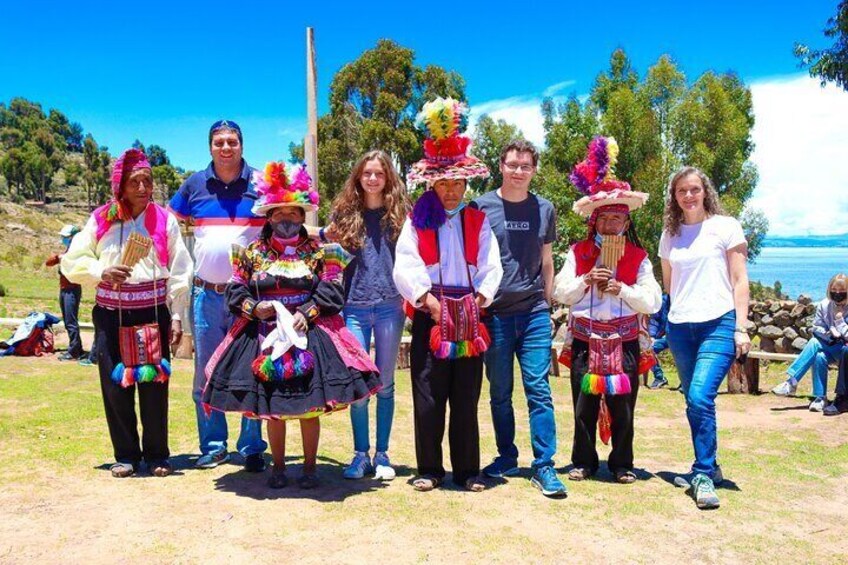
{"points": [[616, 384], [288, 366], [118, 373]]}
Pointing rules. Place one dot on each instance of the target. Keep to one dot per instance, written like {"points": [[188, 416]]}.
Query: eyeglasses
{"points": [[518, 168]]}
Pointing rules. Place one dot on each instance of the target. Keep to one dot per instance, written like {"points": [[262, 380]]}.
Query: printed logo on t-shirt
{"points": [[517, 226]]}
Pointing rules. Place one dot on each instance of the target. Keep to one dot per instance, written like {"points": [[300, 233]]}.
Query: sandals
{"points": [[625, 476], [475, 484], [160, 468], [579, 474], [426, 483], [121, 470]]}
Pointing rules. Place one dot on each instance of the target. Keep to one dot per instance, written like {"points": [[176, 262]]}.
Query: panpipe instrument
{"points": [[612, 250], [136, 248]]}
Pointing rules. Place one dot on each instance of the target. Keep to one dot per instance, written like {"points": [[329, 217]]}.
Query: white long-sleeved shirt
{"points": [[414, 279], [644, 297], [87, 258]]}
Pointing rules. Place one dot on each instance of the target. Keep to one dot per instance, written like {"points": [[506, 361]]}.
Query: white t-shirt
{"points": [[700, 277]]}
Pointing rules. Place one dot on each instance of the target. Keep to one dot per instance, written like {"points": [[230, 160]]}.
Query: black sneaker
{"points": [[254, 463], [837, 407]]}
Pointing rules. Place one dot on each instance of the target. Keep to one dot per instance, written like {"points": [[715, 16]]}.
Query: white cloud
{"points": [[554, 88], [801, 137], [525, 112], [801, 153]]}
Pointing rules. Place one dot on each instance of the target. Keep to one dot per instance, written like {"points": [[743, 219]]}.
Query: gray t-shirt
{"points": [[522, 228]]}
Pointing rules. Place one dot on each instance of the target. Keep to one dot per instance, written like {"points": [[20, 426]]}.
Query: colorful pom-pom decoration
{"points": [[126, 377], [594, 384], [294, 363]]}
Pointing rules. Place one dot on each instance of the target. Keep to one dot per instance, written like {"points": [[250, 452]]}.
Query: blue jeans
{"points": [[703, 353], [385, 321], [69, 301], [660, 345], [212, 319], [528, 337], [818, 356]]}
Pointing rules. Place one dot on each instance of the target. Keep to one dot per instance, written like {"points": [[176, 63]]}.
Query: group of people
{"points": [[284, 316]]}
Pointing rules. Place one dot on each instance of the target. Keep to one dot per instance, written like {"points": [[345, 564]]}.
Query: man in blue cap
{"points": [[217, 201]]}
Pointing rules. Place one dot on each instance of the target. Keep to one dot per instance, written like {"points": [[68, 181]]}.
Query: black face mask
{"points": [[838, 296]]}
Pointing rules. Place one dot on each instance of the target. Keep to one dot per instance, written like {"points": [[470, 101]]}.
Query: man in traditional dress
{"points": [[608, 281]]}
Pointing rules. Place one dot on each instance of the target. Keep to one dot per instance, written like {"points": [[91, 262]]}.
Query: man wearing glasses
{"points": [[218, 202], [519, 320]]}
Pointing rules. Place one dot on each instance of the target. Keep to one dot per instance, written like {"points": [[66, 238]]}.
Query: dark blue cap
{"points": [[225, 124]]}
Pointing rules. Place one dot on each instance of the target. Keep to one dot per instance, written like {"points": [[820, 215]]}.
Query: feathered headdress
{"points": [[443, 122], [278, 186], [595, 177]]}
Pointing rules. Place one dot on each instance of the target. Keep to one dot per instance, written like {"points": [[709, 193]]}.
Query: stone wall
{"points": [[783, 326]]}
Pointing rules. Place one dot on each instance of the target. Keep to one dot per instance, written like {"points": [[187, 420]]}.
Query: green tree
{"points": [[157, 156], [373, 104], [660, 123], [831, 64], [69, 132], [97, 174], [167, 180], [489, 138]]}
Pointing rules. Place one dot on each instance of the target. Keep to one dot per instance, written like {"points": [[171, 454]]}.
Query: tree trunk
{"points": [[744, 378]]}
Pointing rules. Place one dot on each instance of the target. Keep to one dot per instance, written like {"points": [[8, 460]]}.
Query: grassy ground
{"points": [[786, 496]]}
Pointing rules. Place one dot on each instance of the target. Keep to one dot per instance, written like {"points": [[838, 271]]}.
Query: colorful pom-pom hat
{"points": [[279, 186], [443, 122], [595, 178]]}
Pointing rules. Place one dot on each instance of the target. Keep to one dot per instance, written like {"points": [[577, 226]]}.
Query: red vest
{"points": [[586, 254], [472, 223]]}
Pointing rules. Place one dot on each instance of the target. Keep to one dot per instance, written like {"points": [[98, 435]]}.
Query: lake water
{"points": [[801, 270]]}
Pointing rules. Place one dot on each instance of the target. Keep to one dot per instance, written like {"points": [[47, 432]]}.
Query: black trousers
{"points": [[119, 402], [69, 301], [587, 406], [435, 383], [842, 378]]}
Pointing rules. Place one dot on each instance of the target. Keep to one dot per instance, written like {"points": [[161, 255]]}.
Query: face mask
{"points": [[286, 229], [838, 296], [455, 211], [66, 241]]}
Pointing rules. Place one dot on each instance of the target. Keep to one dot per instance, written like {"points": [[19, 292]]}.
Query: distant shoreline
{"points": [[839, 240]]}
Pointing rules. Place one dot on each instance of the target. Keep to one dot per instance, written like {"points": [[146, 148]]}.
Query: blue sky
{"points": [[163, 71]]}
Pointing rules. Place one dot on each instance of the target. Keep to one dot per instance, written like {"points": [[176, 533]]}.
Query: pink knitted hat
{"points": [[129, 161]]}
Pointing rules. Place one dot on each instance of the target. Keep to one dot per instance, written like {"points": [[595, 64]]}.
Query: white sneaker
{"points": [[383, 470], [818, 404], [786, 388]]}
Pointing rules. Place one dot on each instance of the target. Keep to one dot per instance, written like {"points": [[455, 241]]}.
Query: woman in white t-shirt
{"points": [[703, 255]]}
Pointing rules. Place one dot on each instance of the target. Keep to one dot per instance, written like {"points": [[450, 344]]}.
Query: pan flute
{"points": [[136, 249], [612, 250]]}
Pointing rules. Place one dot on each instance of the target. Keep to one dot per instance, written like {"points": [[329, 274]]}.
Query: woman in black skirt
{"points": [[288, 355]]}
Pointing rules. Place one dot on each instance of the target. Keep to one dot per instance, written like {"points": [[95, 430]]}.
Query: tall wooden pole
{"points": [[310, 142]]}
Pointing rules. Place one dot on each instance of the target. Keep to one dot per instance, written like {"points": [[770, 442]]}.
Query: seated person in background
{"points": [[829, 333]]}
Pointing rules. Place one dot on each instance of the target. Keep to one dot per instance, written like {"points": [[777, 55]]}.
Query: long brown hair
{"points": [[349, 205], [673, 215]]}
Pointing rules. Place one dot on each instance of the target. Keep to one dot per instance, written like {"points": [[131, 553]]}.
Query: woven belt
{"points": [[220, 288], [627, 327]]}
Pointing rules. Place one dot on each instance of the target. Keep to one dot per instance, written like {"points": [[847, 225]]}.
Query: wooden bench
{"points": [[745, 378]]}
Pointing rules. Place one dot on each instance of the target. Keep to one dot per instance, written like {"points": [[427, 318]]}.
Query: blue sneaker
{"points": [[212, 460], [500, 468], [545, 479], [704, 493], [359, 466]]}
